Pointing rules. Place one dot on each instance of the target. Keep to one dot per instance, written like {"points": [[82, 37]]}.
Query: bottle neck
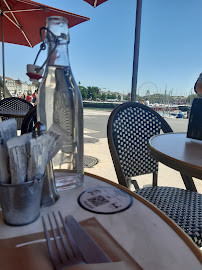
{"points": [[60, 56]]}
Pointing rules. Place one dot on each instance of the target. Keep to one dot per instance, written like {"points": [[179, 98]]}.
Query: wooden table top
{"points": [[178, 152], [146, 233]]}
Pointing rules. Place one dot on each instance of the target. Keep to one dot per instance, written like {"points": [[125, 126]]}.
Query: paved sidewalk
{"points": [[105, 168]]}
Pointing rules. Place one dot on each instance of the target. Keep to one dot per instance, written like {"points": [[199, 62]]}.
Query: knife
{"points": [[90, 250]]}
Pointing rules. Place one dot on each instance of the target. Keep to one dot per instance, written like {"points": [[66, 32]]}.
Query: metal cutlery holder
{"points": [[49, 192], [21, 202]]}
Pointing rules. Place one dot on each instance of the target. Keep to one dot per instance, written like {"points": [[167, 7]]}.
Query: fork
{"points": [[61, 255]]}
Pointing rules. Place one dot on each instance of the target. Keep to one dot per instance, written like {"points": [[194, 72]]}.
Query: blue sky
{"points": [[101, 50]]}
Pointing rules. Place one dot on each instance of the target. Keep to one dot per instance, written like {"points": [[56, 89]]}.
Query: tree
{"points": [[103, 97], [93, 92], [111, 96], [84, 92]]}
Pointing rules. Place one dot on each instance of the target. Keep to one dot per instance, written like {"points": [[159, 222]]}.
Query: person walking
{"points": [[36, 95], [146, 102], [29, 97]]}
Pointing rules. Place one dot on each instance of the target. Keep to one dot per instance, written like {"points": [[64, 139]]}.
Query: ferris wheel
{"points": [[147, 88]]}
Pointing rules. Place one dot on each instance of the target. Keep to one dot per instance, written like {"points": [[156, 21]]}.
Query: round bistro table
{"points": [[146, 233], [180, 153]]}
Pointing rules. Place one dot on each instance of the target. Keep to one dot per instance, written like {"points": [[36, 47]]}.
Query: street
{"points": [[97, 120]]}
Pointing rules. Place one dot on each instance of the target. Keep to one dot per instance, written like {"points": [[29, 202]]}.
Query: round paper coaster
{"points": [[105, 200]]}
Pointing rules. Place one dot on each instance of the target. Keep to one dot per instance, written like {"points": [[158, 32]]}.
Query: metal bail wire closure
{"points": [[43, 46], [38, 70]]}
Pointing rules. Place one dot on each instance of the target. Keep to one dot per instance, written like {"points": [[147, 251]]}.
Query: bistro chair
{"points": [[129, 128], [29, 121], [15, 104]]}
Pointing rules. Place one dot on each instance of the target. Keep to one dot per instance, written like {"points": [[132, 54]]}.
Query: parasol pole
{"points": [[2, 31], [136, 50]]}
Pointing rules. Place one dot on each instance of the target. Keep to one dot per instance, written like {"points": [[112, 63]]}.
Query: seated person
{"points": [[198, 86]]}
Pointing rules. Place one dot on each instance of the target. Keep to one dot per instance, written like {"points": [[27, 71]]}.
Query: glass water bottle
{"points": [[60, 103]]}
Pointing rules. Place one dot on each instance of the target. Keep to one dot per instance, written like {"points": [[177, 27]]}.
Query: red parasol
{"points": [[21, 21], [95, 3], [27, 17]]}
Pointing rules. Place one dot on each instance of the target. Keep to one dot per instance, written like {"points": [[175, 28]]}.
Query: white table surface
{"points": [[154, 243]]}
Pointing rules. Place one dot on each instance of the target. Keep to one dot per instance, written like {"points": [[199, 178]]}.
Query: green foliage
{"points": [[111, 96], [103, 97], [90, 93], [93, 93], [83, 91]]}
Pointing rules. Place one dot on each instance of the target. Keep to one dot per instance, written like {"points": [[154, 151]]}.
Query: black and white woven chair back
{"points": [[15, 104], [132, 128]]}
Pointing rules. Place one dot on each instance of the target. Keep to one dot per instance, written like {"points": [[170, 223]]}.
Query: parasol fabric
{"points": [[24, 18], [21, 21], [95, 3]]}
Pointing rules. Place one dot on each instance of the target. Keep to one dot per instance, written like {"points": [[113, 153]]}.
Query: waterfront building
{"points": [[18, 87], [10, 84]]}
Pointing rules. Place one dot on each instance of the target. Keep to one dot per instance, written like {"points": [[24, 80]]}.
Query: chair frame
{"points": [[29, 118], [120, 175]]}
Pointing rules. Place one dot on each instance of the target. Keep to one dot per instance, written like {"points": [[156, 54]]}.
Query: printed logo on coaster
{"points": [[105, 200]]}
